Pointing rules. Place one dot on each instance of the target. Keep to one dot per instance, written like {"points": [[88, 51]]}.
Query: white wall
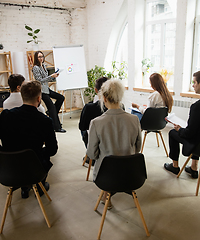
{"points": [[101, 16], [58, 28]]}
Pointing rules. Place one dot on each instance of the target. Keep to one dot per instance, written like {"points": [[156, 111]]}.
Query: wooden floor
{"points": [[169, 205]]}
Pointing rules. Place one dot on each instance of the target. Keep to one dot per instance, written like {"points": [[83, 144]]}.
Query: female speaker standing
{"points": [[40, 73]]}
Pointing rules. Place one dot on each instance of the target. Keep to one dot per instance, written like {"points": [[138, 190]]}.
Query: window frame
{"points": [[163, 23]]}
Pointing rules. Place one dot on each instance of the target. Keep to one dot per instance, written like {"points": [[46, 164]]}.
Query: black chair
{"points": [[196, 152], [21, 169], [153, 120], [121, 174]]}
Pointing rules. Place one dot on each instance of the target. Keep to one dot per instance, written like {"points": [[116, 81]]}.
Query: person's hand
{"points": [[177, 127], [54, 75], [145, 106], [135, 105]]}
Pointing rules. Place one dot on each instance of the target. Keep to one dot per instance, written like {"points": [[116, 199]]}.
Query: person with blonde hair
{"points": [[115, 132], [161, 97]]}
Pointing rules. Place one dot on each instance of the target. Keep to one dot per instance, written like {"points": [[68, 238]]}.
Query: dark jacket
{"points": [[192, 131], [89, 112], [26, 128]]}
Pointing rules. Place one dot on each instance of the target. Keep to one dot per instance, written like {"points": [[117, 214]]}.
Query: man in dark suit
{"points": [[26, 128], [91, 111], [189, 136]]}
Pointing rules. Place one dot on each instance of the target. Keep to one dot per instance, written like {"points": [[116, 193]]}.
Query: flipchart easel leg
{"points": [[71, 104], [82, 97]]}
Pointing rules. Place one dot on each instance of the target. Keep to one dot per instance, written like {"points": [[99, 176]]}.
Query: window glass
{"points": [[122, 51], [160, 39], [197, 62], [153, 44], [122, 48], [157, 10]]}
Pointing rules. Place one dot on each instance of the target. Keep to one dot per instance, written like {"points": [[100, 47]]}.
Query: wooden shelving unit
{"points": [[48, 61], [6, 65], [5, 69]]}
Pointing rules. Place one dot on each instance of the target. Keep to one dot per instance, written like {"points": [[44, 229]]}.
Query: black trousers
{"points": [[53, 108], [174, 146], [85, 137]]}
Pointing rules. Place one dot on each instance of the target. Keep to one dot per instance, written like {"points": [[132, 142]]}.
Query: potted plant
{"points": [[97, 72], [146, 65], [119, 70], [166, 75], [33, 33], [92, 75]]}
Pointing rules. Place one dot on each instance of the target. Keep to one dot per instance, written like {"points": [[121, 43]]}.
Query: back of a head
{"points": [[158, 84], [14, 81], [99, 82], [197, 76], [30, 91], [112, 90], [157, 81]]}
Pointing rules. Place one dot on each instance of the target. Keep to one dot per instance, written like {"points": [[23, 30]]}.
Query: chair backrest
{"points": [[121, 173], [20, 168], [154, 119]]}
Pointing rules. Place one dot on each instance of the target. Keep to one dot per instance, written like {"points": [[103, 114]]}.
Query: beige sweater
{"points": [[115, 132]]}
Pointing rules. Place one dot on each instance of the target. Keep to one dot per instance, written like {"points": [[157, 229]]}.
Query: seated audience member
{"points": [[115, 132], [189, 136], [15, 99], [161, 97], [91, 111], [26, 128]]}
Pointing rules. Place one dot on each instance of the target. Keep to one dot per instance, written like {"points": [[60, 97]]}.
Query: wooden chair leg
{"points": [[44, 190], [88, 172], [8, 202], [163, 143], [157, 139], [104, 215], [145, 134], [98, 200], [41, 205], [84, 160], [140, 212], [184, 165], [198, 182]]}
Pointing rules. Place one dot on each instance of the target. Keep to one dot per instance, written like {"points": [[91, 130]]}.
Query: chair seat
{"points": [[20, 169], [121, 174]]}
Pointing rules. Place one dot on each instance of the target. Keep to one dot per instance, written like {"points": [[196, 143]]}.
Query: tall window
{"points": [[196, 48], [122, 46], [121, 53], [160, 37]]}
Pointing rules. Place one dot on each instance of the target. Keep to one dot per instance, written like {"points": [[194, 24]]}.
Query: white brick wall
{"points": [[101, 17], [58, 28]]}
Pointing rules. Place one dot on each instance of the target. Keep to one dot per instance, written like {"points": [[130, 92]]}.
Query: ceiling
{"points": [[50, 3]]}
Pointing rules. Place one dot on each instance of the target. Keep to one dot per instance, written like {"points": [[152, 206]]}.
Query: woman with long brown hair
{"points": [[40, 74], [161, 97]]}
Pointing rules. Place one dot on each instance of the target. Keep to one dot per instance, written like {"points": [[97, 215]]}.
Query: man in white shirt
{"points": [[15, 100]]}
